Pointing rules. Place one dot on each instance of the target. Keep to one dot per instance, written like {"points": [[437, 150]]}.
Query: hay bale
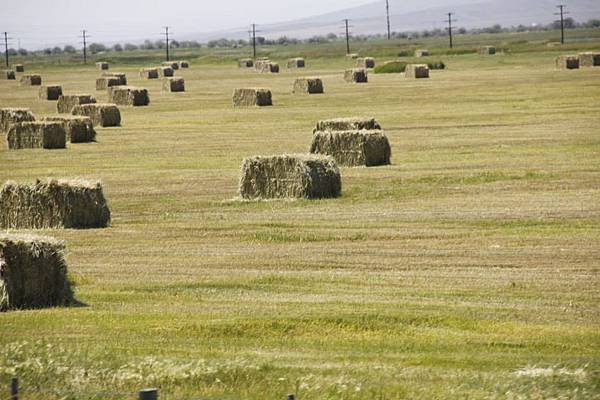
{"points": [[78, 129], [101, 114], [31, 80], [173, 64], [9, 116], [9, 74], [567, 62], [105, 82], [297, 62], [269, 68], [19, 67], [175, 84], [149, 73], [183, 64], [248, 97], [347, 124], [119, 75], [352, 56], [36, 135], [589, 59], [421, 53], [53, 204], [416, 71], [50, 92], [164, 72], [365, 62], [308, 85], [353, 148], [487, 50], [245, 63], [66, 102], [356, 75], [290, 176], [102, 65], [33, 273], [128, 96]]}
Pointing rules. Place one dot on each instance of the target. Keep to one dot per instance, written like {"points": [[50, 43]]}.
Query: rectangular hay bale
{"points": [[421, 53], [9, 75], [174, 84], [365, 62], [19, 67], [297, 62], [36, 135], [589, 59], [173, 64], [248, 97], [78, 129], [105, 82], [308, 86], [183, 64], [9, 116], [567, 62], [164, 72], [348, 124], [66, 102], [268, 67], [416, 71], [149, 73], [104, 115], [356, 75], [121, 76], [128, 96], [50, 92], [353, 148], [487, 50], [245, 63], [31, 80], [102, 65]]}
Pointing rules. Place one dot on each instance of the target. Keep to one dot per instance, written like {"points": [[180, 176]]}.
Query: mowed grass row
{"points": [[467, 268]]}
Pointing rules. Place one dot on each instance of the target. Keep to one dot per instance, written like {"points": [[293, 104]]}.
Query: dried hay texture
{"points": [[9, 116], [9, 75], [245, 63], [421, 53], [107, 81], [100, 114], [50, 92], [353, 148], [416, 71], [19, 67], [183, 64], [36, 135], [308, 86], [33, 273], [260, 63], [78, 129], [252, 97], [102, 66], [119, 75], [175, 84], [297, 62], [487, 50], [365, 62], [149, 73], [589, 59], [31, 80], [164, 72], [53, 204], [128, 96], [356, 75], [348, 124], [173, 64], [66, 102], [290, 176], [567, 62]]}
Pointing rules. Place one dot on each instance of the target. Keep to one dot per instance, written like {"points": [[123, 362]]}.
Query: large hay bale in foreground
{"points": [[421, 53], [247, 97], [269, 68], [589, 59], [297, 62], [101, 114], [9, 75], [33, 273], [245, 63], [353, 148], [567, 62], [365, 62], [19, 67], [416, 71], [183, 64], [105, 82], [308, 86], [175, 84], [356, 75], [31, 80], [9, 116], [50, 92], [173, 64], [102, 65], [290, 176], [128, 96], [36, 135], [487, 50], [149, 73], [348, 124], [53, 204], [121, 76], [164, 72], [66, 102], [78, 129]]}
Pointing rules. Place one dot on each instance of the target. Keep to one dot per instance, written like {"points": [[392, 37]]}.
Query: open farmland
{"points": [[469, 268]]}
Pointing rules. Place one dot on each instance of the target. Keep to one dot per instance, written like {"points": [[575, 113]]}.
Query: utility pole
{"points": [[84, 36], [562, 21], [253, 40], [6, 47], [387, 11], [167, 40], [450, 21], [347, 36]]}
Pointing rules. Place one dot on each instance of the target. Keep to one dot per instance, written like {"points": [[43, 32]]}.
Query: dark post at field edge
{"points": [[148, 394]]}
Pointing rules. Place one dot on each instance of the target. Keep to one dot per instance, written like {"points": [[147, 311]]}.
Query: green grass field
{"points": [[467, 269]]}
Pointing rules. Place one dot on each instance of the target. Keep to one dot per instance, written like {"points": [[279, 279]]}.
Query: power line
{"points": [[84, 36], [562, 21], [387, 11], [450, 21]]}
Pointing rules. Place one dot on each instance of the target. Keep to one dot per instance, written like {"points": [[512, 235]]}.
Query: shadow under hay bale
{"points": [[416, 71], [356, 75], [252, 97], [31, 80], [102, 66], [50, 92], [348, 124], [36, 135], [128, 96], [173, 64], [121, 76], [421, 53], [567, 62], [66, 102], [353, 148], [487, 50], [149, 73], [78, 129], [164, 72], [175, 84], [245, 63], [53, 204], [19, 67], [589, 59], [9, 75], [107, 81], [33, 273], [308, 86], [297, 62], [9, 116], [104, 115], [365, 62], [290, 176]]}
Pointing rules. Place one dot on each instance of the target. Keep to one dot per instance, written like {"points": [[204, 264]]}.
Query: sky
{"points": [[35, 24]]}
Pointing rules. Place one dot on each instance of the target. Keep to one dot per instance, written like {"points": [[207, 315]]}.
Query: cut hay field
{"points": [[469, 268]]}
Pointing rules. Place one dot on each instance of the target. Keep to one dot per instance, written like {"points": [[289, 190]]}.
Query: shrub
{"points": [[391, 67], [436, 65]]}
